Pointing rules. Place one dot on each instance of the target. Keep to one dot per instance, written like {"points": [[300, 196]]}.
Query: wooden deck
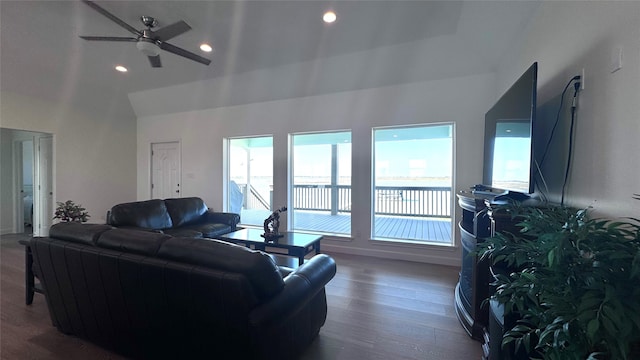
{"points": [[421, 229]]}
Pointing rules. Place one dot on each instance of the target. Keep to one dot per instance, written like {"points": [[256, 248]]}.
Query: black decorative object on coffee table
{"points": [[271, 225]]}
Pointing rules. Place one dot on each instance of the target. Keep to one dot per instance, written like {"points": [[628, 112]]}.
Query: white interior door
{"points": [[19, 188], [23, 181], [43, 189], [165, 170]]}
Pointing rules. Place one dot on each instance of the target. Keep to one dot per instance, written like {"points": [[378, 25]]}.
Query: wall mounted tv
{"points": [[508, 141]]}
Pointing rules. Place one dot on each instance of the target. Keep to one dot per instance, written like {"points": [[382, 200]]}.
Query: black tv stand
{"points": [[482, 218], [512, 195], [498, 194], [487, 193]]}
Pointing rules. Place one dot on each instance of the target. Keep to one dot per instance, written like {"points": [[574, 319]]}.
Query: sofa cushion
{"points": [[133, 241], [185, 211], [150, 214], [78, 232], [261, 271]]}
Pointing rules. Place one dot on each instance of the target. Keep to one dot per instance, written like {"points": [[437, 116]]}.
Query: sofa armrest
{"points": [[231, 219], [301, 286]]}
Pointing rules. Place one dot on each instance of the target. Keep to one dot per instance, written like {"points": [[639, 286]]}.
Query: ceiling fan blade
{"points": [[182, 52], [112, 17], [155, 61], [108, 38], [171, 31]]}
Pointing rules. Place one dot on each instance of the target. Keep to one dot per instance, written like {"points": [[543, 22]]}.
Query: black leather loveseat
{"points": [[152, 296], [187, 217]]}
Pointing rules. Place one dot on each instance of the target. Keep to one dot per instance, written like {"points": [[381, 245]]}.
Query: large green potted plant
{"points": [[572, 283], [70, 211]]}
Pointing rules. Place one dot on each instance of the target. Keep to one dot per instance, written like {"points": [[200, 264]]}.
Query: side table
{"points": [[31, 286]]}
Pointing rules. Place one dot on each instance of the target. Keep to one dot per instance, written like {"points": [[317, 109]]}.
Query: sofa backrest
{"points": [[77, 232], [184, 211], [259, 268], [132, 241], [150, 214]]}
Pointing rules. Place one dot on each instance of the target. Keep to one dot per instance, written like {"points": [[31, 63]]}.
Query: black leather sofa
{"points": [[152, 296], [187, 217]]}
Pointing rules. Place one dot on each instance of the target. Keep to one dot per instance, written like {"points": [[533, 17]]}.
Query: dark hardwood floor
{"points": [[378, 309]]}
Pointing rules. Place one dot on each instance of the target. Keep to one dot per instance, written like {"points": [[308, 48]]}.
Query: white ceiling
{"points": [[41, 54]]}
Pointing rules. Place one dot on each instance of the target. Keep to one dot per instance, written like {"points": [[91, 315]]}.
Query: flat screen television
{"points": [[508, 141]]}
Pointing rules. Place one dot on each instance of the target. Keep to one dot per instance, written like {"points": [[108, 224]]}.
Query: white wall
{"points": [[564, 37], [94, 154], [460, 100]]}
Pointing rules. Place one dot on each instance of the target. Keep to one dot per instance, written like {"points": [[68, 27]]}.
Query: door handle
{"points": [[177, 191]]}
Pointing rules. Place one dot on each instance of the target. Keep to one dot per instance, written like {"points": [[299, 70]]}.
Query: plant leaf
{"points": [[592, 328]]}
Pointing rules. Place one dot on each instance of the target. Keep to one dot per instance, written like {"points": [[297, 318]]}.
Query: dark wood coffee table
{"points": [[292, 243]]}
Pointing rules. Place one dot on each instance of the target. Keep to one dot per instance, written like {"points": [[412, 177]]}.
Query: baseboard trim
{"points": [[5, 231], [385, 254]]}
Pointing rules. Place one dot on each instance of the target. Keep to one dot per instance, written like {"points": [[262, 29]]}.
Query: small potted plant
{"points": [[69, 211]]}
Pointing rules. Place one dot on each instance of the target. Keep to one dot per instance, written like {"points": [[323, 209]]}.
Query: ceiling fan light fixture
{"points": [[121, 68], [206, 47], [148, 48]]}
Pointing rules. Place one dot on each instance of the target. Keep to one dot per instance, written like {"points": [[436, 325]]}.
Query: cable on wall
{"points": [[553, 130], [576, 85], [576, 82]]}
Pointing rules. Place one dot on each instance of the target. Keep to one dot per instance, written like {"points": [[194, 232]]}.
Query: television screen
{"points": [[508, 142]]}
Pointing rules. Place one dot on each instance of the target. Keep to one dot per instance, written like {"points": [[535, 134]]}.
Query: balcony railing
{"points": [[424, 201], [413, 201], [389, 200], [252, 199]]}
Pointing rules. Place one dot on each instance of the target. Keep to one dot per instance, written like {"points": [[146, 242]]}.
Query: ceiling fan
{"points": [[148, 41]]}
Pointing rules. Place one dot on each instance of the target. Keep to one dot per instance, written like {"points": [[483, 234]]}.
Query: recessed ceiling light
{"points": [[121, 68], [206, 47], [329, 17]]}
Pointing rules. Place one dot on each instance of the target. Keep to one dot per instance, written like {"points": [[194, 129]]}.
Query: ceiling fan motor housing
{"points": [[148, 21]]}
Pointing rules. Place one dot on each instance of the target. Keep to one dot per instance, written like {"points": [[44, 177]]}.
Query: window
{"points": [[413, 169], [250, 183], [321, 186]]}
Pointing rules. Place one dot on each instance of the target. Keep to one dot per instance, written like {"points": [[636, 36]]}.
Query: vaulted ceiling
{"points": [[42, 55]]}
